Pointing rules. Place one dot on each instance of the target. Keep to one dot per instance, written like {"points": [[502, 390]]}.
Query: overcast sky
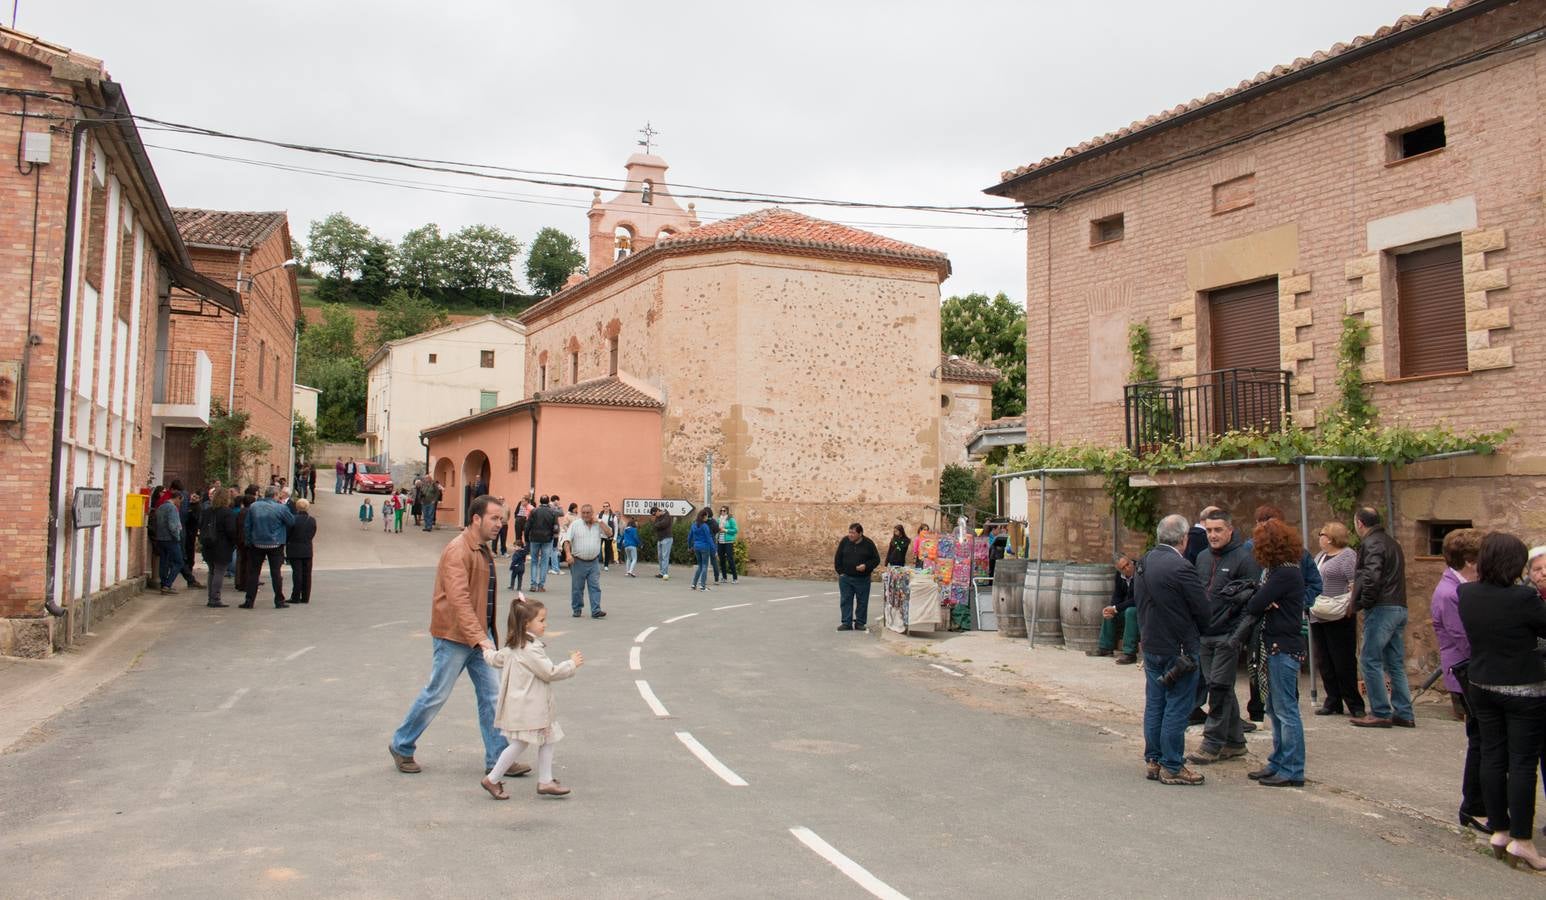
{"points": [[895, 102]]}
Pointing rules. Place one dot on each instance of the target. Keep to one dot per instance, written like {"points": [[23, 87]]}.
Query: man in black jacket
{"points": [[1227, 559], [541, 530], [855, 559], [1172, 610], [1124, 606], [1379, 589], [1197, 537]]}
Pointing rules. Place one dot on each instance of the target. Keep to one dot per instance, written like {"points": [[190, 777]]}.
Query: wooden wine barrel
{"points": [[1086, 590], [1043, 602], [1008, 602]]}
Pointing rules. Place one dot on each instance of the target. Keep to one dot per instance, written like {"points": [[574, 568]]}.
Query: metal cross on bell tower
{"points": [[649, 137]]}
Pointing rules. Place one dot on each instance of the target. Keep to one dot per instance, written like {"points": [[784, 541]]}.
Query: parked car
{"points": [[372, 478]]}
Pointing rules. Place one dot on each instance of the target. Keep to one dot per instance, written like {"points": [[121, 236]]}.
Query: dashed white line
{"points": [[947, 670], [830, 594], [231, 700], [707, 758], [393, 622], [678, 618], [860, 875], [731, 606], [645, 634], [651, 700], [299, 652], [795, 597], [633, 657]]}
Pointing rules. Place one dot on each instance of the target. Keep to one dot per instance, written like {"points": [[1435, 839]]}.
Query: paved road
{"points": [[245, 752]]}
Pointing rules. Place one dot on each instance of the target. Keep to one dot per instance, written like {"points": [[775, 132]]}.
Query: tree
{"points": [[298, 252], [553, 257], [958, 486], [304, 439], [330, 338], [338, 243], [421, 259], [992, 332], [229, 452], [482, 258], [377, 271], [341, 405], [405, 314]]}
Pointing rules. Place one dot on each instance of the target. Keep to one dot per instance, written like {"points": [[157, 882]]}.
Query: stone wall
{"points": [[964, 408]]}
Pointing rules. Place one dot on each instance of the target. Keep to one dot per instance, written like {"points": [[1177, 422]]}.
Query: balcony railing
{"points": [[1192, 410], [181, 391]]}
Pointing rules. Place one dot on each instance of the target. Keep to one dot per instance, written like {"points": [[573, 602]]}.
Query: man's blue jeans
{"points": [[1384, 653], [171, 553], [537, 562], [1165, 711], [853, 599], [338, 482], [584, 574], [663, 549], [450, 660], [429, 516], [1287, 757]]}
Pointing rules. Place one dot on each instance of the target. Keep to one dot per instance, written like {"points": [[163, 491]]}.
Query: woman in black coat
{"points": [[298, 552], [218, 538], [1507, 692]]}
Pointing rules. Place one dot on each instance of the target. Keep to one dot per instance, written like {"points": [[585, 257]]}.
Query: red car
{"points": [[372, 478]]}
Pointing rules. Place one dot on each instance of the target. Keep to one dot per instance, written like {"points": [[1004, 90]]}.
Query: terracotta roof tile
{"points": [[1402, 24], [796, 229], [609, 391], [219, 228], [959, 368]]}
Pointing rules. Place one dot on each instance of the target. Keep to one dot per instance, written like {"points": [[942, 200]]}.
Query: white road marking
{"points": [[795, 597], [393, 622], [853, 870], [731, 606], [830, 594], [633, 657], [678, 618], [231, 700], [651, 700], [180, 772], [707, 758], [947, 670], [645, 634], [299, 652]]}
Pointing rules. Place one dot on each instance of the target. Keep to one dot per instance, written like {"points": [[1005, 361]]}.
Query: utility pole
{"points": [[708, 478]]}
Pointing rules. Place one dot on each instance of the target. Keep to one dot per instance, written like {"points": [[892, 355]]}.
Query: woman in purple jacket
{"points": [[1461, 548]]}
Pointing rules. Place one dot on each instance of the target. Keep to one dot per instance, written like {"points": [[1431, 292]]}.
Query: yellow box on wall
{"points": [[134, 510]]}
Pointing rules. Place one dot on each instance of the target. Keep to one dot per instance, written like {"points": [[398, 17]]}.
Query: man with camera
{"points": [[1172, 611]]}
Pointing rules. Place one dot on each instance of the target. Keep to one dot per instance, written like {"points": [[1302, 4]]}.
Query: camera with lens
{"points": [[1182, 667]]}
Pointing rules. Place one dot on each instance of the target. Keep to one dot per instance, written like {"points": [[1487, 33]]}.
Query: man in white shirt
{"points": [[582, 541]]}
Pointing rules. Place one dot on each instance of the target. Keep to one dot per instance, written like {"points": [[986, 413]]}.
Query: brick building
{"points": [[1397, 178], [90, 258], [252, 355]]}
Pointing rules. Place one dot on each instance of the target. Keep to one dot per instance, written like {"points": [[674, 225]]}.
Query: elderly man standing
{"points": [[583, 544], [1172, 611], [267, 529], [462, 623], [1379, 589]]}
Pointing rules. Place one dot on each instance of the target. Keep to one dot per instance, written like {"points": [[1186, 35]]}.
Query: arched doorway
{"points": [[475, 480]]}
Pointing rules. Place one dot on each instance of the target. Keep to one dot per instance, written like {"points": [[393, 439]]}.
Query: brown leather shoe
{"points": [[1370, 722], [1402, 723], [552, 789], [1126, 659], [1098, 652], [1152, 771], [495, 789], [1182, 775], [405, 764]]}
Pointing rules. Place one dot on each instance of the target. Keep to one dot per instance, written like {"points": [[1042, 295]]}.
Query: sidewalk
{"points": [[1410, 771]]}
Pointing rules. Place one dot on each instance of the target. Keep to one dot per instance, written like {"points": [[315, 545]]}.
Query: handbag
{"points": [[1327, 608]]}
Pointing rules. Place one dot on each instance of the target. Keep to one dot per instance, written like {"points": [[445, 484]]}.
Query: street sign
{"points": [[643, 507], [86, 511]]}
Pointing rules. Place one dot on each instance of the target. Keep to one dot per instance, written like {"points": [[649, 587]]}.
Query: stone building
{"points": [[965, 402], [90, 257], [1396, 178], [419, 381], [637, 216], [252, 355]]}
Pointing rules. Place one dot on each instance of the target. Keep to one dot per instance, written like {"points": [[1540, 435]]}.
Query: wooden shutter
{"points": [[181, 459], [1430, 296], [1244, 326]]}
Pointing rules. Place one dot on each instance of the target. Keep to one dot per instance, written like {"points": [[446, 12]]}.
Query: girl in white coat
{"points": [[525, 711]]}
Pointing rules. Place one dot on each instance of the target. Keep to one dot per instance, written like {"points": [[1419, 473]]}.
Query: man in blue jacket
{"points": [[168, 523], [267, 529]]}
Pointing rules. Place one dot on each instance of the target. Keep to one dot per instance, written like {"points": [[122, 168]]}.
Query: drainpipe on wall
{"points": [[535, 410], [424, 442], [295, 354], [236, 327], [77, 143]]}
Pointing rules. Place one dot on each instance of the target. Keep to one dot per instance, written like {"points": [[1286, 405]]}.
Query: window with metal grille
{"points": [[486, 359], [1435, 532], [1430, 311], [515, 458]]}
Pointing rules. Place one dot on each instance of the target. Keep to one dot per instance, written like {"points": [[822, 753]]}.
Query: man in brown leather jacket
{"points": [[1379, 589]]}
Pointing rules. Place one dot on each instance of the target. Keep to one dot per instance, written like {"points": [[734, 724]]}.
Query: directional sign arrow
{"points": [[642, 507]]}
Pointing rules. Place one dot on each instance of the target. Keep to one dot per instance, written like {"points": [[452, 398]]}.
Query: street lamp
{"points": [[290, 263]]}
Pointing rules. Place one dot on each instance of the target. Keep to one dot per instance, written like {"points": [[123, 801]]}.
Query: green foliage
{"points": [[553, 257], [421, 259], [1155, 419], [743, 557], [481, 258], [1144, 367], [229, 452], [990, 331], [331, 337], [1345, 482], [338, 244], [304, 439], [329, 361], [964, 486], [681, 553], [377, 272], [404, 314]]}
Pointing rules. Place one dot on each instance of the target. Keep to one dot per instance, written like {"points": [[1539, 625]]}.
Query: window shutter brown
{"points": [[1244, 326], [1430, 295]]}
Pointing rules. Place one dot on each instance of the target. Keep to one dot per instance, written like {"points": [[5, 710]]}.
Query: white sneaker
{"points": [[665, 578]]}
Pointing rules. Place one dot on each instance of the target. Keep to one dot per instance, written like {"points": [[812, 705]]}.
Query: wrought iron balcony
{"points": [[1191, 410]]}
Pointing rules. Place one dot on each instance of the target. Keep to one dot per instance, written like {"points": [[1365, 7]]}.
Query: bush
{"points": [[681, 554]]}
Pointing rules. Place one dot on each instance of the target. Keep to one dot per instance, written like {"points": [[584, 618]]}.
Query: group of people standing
{"points": [[236, 532]]}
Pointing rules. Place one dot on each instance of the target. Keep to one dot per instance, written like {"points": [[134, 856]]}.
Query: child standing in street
{"points": [[525, 712], [367, 513], [386, 514], [517, 564], [399, 504], [629, 542]]}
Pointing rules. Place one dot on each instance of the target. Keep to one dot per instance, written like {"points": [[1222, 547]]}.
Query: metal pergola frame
{"points": [[1301, 462]]}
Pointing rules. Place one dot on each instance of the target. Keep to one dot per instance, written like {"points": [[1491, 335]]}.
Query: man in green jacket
{"points": [[728, 530]]}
